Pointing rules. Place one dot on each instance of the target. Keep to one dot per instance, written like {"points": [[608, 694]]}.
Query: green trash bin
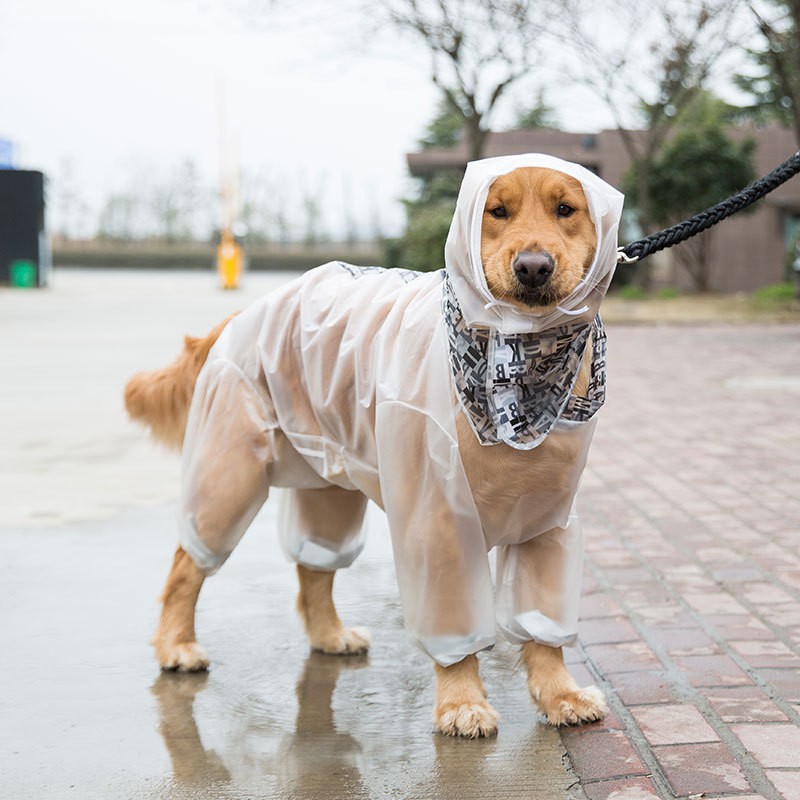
{"points": [[22, 273], [24, 249]]}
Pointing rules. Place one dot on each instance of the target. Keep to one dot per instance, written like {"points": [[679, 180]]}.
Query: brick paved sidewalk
{"points": [[691, 610]]}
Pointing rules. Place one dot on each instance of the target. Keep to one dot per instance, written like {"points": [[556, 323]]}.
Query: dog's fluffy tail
{"points": [[161, 399]]}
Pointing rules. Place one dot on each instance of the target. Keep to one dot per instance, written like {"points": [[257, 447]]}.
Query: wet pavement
{"points": [[86, 714], [691, 614], [86, 539]]}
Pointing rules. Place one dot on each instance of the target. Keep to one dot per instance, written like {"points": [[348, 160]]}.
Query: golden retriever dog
{"points": [[538, 240]]}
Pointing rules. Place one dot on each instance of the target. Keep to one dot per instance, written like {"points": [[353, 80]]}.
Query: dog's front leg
{"points": [[176, 648], [461, 707], [554, 690]]}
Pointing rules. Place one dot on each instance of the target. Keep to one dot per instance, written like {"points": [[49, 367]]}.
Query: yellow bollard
{"points": [[229, 261]]}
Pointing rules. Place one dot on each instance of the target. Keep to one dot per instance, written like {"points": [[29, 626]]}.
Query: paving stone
{"points": [[597, 605], [737, 573], [772, 745], [737, 797], [743, 704], [750, 628], [698, 768], [785, 615], [624, 657], [643, 687], [609, 630], [716, 670], [765, 594], [581, 674], [770, 654], [611, 722], [621, 577], [665, 615], [729, 620], [611, 556], [673, 724], [787, 783], [573, 655], [626, 789], [605, 754], [790, 576], [785, 682], [715, 603], [687, 642]]}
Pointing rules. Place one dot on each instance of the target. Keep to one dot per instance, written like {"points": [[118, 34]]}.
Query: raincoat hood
{"points": [[463, 249]]}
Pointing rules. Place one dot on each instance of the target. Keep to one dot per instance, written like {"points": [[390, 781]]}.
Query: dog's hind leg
{"points": [[322, 530], [226, 458], [554, 690], [323, 626], [176, 647]]}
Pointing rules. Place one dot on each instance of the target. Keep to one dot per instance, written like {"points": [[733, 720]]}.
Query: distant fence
{"points": [[202, 256]]}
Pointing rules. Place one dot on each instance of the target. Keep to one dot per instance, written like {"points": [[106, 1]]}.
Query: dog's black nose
{"points": [[533, 269]]}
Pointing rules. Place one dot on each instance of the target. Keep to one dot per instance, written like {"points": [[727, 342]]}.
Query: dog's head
{"points": [[538, 238]]}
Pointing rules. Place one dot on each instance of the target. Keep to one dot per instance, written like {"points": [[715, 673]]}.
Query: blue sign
{"points": [[6, 154]]}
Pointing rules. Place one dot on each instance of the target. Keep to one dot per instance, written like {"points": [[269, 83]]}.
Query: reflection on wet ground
{"points": [[314, 760], [86, 714], [192, 764]]}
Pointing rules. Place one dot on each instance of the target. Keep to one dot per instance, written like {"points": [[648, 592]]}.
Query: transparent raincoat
{"points": [[345, 384]]}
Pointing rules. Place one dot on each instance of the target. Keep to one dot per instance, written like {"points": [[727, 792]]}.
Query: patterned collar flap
{"points": [[515, 387]]}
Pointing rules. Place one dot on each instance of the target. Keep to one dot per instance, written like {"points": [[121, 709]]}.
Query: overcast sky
{"points": [[119, 93]]}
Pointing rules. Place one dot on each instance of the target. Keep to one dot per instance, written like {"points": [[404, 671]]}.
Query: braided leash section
{"points": [[635, 251]]}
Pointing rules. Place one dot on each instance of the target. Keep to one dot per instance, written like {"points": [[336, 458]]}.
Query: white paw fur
{"points": [[471, 720], [183, 657], [573, 708], [347, 641]]}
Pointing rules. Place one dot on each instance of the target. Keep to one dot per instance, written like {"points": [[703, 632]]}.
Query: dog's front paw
{"points": [[344, 642], [471, 720], [574, 707], [183, 657]]}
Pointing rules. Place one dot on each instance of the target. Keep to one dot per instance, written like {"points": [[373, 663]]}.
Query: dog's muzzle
{"points": [[533, 270]]}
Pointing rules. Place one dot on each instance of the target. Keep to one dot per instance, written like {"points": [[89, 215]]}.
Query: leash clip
{"points": [[624, 258]]}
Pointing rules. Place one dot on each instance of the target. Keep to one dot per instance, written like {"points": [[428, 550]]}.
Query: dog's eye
{"points": [[565, 211], [499, 212]]}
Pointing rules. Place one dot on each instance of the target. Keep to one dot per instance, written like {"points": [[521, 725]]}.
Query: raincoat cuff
{"points": [[319, 556], [449, 650], [207, 561], [533, 626]]}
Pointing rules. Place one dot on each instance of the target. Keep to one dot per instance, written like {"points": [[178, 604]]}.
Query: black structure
{"points": [[24, 249]]}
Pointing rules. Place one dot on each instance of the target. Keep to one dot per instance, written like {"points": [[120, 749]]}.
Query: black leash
{"points": [[636, 251]]}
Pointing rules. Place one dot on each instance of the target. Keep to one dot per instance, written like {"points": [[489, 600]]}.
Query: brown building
{"points": [[747, 251]]}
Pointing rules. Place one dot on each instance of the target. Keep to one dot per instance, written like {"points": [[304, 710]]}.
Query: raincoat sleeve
{"points": [[439, 548], [227, 451], [539, 585]]}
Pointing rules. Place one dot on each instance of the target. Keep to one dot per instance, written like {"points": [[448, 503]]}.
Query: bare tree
{"points": [[118, 217], [312, 213], [65, 195], [776, 89], [650, 66], [478, 49], [258, 191], [175, 201]]}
